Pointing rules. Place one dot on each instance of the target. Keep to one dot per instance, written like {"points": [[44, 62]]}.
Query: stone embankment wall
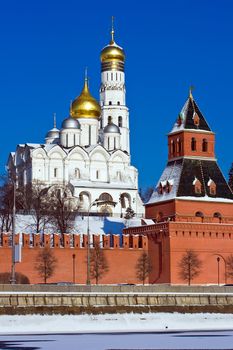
{"points": [[75, 302]]}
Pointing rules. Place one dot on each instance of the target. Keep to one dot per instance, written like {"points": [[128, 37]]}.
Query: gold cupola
{"points": [[85, 105], [112, 56]]}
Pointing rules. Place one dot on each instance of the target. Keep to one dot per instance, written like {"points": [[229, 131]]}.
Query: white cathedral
{"points": [[91, 152]]}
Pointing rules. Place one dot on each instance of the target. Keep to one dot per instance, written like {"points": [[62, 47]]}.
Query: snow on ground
{"points": [[98, 225], [151, 322]]}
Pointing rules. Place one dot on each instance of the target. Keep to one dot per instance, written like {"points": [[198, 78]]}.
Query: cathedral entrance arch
{"points": [[85, 200], [125, 200]]}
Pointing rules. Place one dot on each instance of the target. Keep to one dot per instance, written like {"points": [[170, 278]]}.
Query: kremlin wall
{"points": [[121, 254]]}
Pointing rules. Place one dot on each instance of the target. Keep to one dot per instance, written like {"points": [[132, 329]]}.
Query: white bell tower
{"points": [[112, 91]]}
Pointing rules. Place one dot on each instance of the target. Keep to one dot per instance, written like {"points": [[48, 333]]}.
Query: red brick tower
{"points": [[191, 206], [192, 185]]}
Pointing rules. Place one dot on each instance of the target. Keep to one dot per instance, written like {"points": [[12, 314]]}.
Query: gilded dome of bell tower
{"points": [[112, 56], [85, 105]]}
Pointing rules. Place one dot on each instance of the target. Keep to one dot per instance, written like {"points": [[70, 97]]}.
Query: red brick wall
{"points": [[185, 210], [169, 241], [121, 260]]}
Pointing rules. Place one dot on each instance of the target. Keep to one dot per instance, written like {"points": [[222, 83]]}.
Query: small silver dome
{"points": [[70, 123], [112, 128], [53, 133]]}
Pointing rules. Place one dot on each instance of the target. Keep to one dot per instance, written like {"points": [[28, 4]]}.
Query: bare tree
{"points": [[35, 200], [61, 207], [189, 266], [229, 266], [98, 263], [45, 263], [6, 203], [39, 204], [143, 267]]}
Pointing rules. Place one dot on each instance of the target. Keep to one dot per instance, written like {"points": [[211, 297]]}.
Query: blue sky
{"points": [[170, 45]]}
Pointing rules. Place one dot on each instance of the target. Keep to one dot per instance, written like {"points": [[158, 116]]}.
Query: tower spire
{"points": [[112, 31], [86, 78], [191, 88], [54, 120]]}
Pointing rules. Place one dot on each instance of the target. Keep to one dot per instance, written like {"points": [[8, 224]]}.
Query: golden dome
{"points": [[85, 106], [112, 52]]}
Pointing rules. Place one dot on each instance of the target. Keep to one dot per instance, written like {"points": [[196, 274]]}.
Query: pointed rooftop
{"points": [[190, 117]]}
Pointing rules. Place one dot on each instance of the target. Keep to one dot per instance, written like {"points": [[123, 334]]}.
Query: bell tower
{"points": [[112, 91]]}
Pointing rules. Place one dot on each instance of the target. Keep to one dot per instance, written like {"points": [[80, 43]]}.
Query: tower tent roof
{"points": [[191, 118], [179, 177]]}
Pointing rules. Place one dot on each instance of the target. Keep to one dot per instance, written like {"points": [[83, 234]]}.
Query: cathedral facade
{"points": [[91, 152]]}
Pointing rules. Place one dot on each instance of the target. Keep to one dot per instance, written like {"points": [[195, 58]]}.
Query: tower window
{"points": [[116, 76], [196, 119], [193, 144], [178, 146], [97, 174], [118, 103], [197, 186], [111, 76], [120, 121], [110, 103], [204, 145], [109, 119], [212, 187]]}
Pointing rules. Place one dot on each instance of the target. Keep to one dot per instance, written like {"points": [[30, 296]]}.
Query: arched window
{"points": [[85, 200], [178, 146], [125, 200], [118, 175], [110, 103], [55, 172], [109, 119], [173, 147], [218, 216], [193, 144], [118, 103], [105, 197], [199, 214], [120, 121], [77, 173], [204, 145], [159, 216], [97, 174]]}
